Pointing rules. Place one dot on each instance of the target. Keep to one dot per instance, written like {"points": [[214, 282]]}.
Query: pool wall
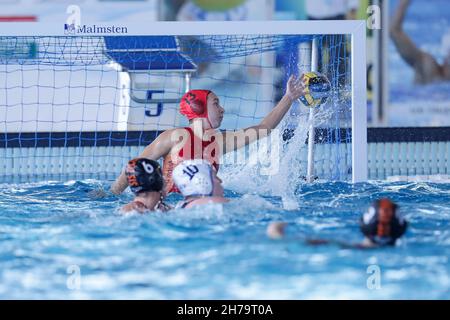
{"points": [[401, 153]]}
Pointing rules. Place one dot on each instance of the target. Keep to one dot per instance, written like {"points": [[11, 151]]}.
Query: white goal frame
{"points": [[356, 29]]}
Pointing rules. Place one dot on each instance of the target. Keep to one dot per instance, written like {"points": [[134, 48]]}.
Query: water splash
{"points": [[290, 155]]}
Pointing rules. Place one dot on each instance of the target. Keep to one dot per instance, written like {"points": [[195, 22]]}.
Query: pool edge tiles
{"points": [[393, 153]]}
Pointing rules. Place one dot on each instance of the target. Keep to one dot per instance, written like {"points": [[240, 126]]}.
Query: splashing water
{"points": [[288, 160], [218, 252]]}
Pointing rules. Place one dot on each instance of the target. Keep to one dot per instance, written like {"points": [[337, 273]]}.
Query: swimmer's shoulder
{"points": [[344, 245], [169, 133], [175, 134], [169, 138], [134, 206]]}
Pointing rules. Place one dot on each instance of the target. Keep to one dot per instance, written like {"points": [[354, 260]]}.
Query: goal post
{"points": [[71, 103], [359, 98]]}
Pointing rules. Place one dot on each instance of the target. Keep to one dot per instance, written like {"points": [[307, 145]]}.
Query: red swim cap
{"points": [[193, 104]]}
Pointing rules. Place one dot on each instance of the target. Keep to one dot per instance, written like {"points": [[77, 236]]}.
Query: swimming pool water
{"points": [[218, 252]]}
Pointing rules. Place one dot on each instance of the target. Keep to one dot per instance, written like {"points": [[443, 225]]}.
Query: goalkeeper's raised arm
{"points": [[201, 139]]}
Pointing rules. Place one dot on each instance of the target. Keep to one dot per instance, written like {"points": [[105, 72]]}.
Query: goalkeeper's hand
{"points": [[295, 87]]}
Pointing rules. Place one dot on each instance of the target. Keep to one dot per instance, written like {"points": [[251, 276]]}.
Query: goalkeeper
{"points": [[201, 139]]}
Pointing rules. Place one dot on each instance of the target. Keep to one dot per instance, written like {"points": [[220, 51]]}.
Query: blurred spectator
{"points": [[171, 8], [213, 10], [331, 9], [426, 68]]}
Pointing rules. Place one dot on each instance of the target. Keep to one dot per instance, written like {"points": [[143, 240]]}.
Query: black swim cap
{"points": [[144, 175], [383, 228]]}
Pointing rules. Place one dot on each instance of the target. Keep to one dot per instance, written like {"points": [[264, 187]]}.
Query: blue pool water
{"points": [[218, 252]]}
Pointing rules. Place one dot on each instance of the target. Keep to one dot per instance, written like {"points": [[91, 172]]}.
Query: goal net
{"points": [[80, 106]]}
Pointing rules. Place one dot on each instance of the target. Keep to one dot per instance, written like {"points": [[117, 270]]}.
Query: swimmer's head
{"points": [[276, 230], [203, 104], [382, 224], [144, 175], [197, 178]]}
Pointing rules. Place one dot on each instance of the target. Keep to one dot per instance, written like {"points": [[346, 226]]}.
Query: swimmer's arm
{"points": [[342, 244], [160, 147], [352, 9], [237, 139], [318, 242], [407, 49]]}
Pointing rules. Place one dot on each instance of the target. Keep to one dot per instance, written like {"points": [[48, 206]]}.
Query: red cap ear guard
{"points": [[194, 104]]}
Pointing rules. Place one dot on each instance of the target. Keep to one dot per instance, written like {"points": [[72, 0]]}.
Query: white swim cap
{"points": [[194, 178]]}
